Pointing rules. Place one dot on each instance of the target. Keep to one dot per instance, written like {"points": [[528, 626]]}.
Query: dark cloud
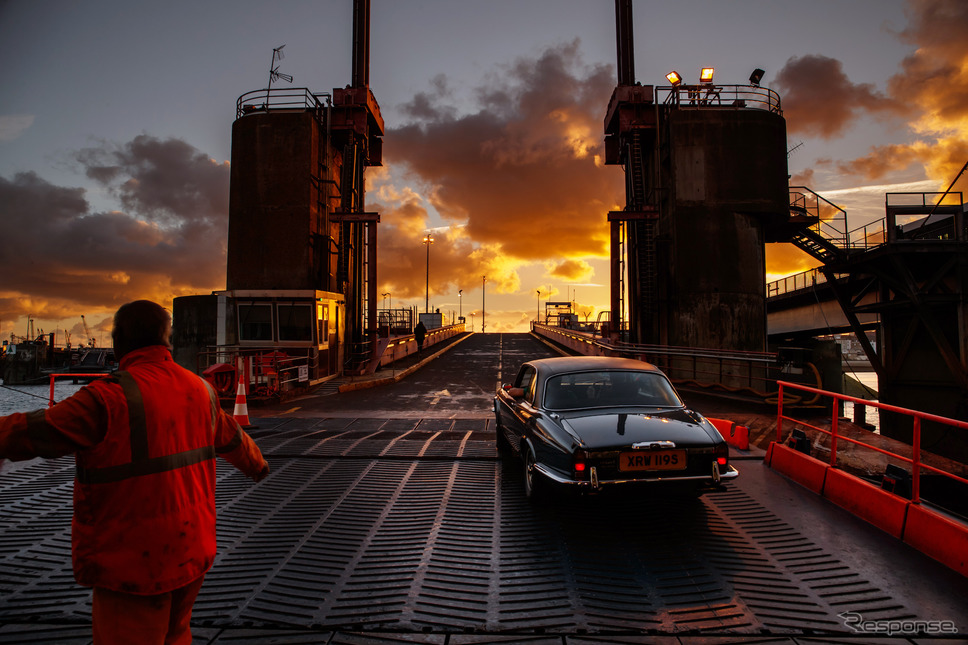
{"points": [[165, 180], [58, 256], [820, 100]]}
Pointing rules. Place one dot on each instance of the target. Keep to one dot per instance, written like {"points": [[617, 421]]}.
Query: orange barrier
{"points": [[944, 540], [881, 508], [734, 434], [927, 530], [803, 469]]}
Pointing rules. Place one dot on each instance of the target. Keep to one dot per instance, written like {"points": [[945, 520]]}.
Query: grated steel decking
{"points": [[382, 530]]}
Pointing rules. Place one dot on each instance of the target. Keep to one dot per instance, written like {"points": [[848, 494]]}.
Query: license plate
{"points": [[652, 460]]}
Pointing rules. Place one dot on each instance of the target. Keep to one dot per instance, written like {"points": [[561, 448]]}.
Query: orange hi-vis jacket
{"points": [[145, 441]]}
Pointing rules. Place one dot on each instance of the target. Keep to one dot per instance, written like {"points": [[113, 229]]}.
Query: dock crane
{"points": [[91, 342]]}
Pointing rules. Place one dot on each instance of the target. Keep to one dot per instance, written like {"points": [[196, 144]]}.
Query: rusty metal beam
{"points": [[623, 42], [361, 43]]}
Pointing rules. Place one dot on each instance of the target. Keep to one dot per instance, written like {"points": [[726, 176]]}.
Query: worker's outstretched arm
{"points": [[71, 425], [236, 446]]}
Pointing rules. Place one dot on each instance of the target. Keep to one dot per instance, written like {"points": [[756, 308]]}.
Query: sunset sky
{"points": [[116, 116]]}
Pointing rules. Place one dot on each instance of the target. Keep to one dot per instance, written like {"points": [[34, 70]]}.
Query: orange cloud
{"points": [[519, 174], [575, 270], [930, 89]]}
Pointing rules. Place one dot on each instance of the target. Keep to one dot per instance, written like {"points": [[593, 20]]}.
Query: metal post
{"points": [[428, 240], [779, 414], [916, 463], [483, 293], [834, 425]]}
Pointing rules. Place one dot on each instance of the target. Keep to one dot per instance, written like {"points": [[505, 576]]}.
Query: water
{"points": [[871, 414], [24, 398]]}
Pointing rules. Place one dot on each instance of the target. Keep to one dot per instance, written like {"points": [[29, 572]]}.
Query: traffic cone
{"points": [[241, 412]]}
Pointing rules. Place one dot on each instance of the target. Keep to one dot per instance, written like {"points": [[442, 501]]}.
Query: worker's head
{"points": [[140, 324]]}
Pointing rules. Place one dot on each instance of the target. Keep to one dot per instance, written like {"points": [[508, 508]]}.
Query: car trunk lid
{"points": [[602, 431]]}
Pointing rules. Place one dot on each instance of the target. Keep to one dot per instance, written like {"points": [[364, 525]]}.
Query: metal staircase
{"points": [[818, 246], [819, 226]]}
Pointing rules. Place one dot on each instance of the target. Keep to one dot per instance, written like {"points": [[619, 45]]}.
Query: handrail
{"points": [[720, 96], [795, 282], [917, 417], [741, 372], [288, 98], [831, 220]]}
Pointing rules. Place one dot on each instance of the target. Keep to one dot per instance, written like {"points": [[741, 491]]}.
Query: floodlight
{"points": [[674, 78], [706, 75], [756, 76]]}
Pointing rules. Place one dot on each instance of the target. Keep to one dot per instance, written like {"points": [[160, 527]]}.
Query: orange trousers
{"points": [[121, 618]]}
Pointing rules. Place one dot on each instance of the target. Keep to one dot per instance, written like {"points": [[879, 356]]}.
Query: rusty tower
{"points": [[297, 216], [706, 188]]}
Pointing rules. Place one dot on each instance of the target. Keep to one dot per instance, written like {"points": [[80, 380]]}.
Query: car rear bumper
{"points": [[594, 483]]}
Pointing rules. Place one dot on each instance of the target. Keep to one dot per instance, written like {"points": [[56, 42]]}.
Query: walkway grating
{"points": [[392, 530]]}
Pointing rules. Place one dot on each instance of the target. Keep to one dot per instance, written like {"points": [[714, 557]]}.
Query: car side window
{"points": [[526, 380], [525, 377]]}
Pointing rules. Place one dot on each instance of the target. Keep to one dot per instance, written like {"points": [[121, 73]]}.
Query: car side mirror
{"points": [[515, 392]]}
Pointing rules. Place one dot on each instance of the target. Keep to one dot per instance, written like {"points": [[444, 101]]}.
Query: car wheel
{"points": [[534, 485]]}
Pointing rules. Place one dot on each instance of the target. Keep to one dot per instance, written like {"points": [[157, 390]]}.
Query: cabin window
{"points": [[255, 322], [295, 322], [322, 326]]}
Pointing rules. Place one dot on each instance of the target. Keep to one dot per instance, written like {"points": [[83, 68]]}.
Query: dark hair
{"points": [[138, 324]]}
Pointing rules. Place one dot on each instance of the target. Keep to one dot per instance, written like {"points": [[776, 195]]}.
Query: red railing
{"points": [[77, 376], [917, 465]]}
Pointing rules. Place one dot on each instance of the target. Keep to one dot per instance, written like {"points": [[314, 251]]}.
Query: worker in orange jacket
{"points": [[144, 440]]}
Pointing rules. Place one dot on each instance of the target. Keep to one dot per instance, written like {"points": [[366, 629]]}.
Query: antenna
{"points": [[794, 148], [274, 73]]}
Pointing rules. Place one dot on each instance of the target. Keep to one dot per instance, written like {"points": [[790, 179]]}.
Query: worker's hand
{"points": [[262, 474]]}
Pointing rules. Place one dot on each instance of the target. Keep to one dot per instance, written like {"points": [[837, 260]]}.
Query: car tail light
{"points": [[722, 456], [580, 464]]}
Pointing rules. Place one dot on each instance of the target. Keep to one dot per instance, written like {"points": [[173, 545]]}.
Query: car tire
{"points": [[535, 488]]}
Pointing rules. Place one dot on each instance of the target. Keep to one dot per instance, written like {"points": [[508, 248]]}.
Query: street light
{"points": [[428, 240], [385, 296], [460, 305], [538, 319], [483, 308]]}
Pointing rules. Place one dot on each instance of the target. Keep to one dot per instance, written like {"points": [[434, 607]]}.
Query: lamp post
{"points": [[538, 318], [385, 296], [428, 240], [460, 305], [483, 308]]}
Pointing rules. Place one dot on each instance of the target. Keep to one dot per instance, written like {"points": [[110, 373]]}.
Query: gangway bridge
{"points": [[915, 225]]}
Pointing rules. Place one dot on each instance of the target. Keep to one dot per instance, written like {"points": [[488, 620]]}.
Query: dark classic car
{"points": [[590, 422]]}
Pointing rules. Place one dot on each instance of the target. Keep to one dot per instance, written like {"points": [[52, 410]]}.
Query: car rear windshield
{"points": [[609, 389]]}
